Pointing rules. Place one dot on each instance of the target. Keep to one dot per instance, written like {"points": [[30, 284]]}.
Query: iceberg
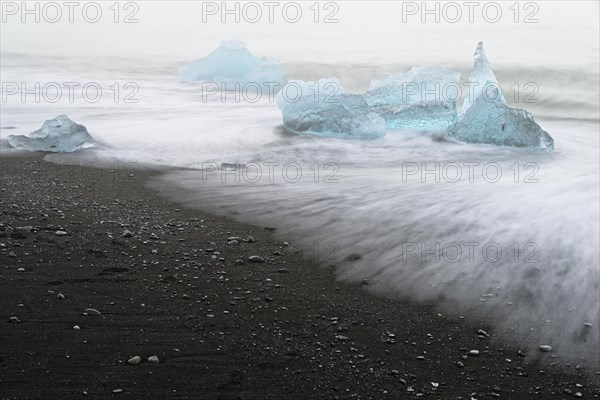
{"points": [[323, 108], [424, 98], [233, 66], [59, 135], [485, 117]]}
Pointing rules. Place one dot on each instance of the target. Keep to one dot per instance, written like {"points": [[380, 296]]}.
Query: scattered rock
{"points": [[256, 259], [14, 320], [153, 359], [60, 233], [135, 360], [353, 257], [545, 348], [112, 270], [91, 311], [474, 352], [60, 296]]}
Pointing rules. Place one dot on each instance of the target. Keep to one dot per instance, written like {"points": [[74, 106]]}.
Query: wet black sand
{"points": [[168, 284]]}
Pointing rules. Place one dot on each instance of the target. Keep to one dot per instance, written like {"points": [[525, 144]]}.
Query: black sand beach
{"points": [[168, 283]]}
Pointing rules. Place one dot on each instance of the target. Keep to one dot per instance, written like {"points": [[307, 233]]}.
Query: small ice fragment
{"points": [[59, 135]]}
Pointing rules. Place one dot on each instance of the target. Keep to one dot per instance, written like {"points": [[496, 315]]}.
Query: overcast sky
{"points": [[367, 31]]}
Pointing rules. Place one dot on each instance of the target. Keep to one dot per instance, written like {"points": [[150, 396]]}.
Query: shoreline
{"points": [[169, 284]]}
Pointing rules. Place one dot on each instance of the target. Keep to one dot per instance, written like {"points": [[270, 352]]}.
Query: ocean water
{"points": [[508, 235]]}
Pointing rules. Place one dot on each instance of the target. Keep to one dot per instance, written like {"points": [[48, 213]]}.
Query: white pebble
{"points": [[134, 360]]}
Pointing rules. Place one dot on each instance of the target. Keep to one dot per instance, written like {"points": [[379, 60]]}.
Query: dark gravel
{"points": [[227, 319]]}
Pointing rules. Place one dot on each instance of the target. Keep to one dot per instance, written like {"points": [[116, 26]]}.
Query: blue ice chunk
{"points": [[323, 108], [482, 78], [492, 122], [485, 117], [423, 98], [233, 65], [60, 135]]}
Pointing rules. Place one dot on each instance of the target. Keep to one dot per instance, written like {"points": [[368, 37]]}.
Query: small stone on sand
{"points": [[545, 348], [134, 360]]}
